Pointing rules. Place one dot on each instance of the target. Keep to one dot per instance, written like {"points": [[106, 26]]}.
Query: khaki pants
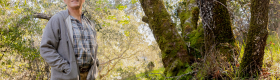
{"points": [[83, 76]]}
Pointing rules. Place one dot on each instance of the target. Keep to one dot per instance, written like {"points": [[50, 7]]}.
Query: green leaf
{"points": [[121, 7], [133, 1], [24, 2], [126, 33], [107, 24], [112, 17], [127, 17], [99, 2], [98, 9], [123, 21]]}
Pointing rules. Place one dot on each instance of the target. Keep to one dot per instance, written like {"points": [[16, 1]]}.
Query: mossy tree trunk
{"points": [[273, 15], [192, 33], [207, 21], [173, 48], [218, 33], [252, 60]]}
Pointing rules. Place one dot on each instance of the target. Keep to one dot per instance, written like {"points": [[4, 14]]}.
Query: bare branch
{"points": [[41, 16]]}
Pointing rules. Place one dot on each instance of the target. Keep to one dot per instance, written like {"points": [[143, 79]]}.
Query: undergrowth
{"points": [[224, 70]]}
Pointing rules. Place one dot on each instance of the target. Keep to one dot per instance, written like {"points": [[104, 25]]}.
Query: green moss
{"points": [[173, 48], [223, 31], [150, 75], [195, 17], [256, 40], [196, 37], [174, 68], [196, 40], [192, 1], [184, 15], [190, 32]]}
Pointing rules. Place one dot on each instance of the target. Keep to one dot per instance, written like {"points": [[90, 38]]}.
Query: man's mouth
{"points": [[75, 1]]}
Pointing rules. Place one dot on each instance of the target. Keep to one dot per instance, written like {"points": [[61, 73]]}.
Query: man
{"points": [[69, 44]]}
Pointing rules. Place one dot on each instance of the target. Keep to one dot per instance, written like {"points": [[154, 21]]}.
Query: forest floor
{"points": [[269, 71]]}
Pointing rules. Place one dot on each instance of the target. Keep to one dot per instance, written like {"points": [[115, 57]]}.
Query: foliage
{"points": [[119, 39], [126, 44], [196, 40], [19, 40]]}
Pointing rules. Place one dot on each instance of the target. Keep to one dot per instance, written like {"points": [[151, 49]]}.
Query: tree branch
{"points": [[145, 19], [42, 16]]}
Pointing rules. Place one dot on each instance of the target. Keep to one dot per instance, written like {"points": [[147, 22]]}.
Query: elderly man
{"points": [[69, 44]]}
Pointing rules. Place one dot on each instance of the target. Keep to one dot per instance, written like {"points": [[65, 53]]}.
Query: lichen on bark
{"points": [[172, 45], [218, 37], [252, 60]]}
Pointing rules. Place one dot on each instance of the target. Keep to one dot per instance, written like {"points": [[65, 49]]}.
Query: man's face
{"points": [[74, 4]]}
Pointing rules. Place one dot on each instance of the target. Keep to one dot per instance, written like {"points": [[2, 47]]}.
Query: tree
{"points": [[19, 34], [252, 60], [273, 15], [173, 48], [188, 44], [218, 32]]}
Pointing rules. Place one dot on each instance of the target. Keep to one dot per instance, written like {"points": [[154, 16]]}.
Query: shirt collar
{"points": [[73, 18]]}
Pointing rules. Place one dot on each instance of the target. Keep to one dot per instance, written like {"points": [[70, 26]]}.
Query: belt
{"points": [[82, 70]]}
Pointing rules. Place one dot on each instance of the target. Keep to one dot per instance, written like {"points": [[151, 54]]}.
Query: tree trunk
{"points": [[218, 38], [41, 16], [206, 7], [252, 60], [218, 33], [173, 48]]}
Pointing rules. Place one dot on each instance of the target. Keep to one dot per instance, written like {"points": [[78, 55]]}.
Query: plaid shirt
{"points": [[84, 42]]}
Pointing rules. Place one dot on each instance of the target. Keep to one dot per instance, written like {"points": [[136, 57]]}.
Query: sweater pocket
{"points": [[72, 73], [56, 75]]}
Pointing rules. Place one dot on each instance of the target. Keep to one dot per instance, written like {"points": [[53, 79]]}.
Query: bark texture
{"points": [[41, 16], [252, 60], [173, 48], [218, 33], [206, 7], [218, 38]]}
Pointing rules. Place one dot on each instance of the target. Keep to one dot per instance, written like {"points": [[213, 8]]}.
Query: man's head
{"points": [[74, 4]]}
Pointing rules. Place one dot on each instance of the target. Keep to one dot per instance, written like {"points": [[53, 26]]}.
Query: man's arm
{"points": [[49, 45]]}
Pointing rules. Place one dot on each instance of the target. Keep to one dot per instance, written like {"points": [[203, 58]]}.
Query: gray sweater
{"points": [[57, 49]]}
